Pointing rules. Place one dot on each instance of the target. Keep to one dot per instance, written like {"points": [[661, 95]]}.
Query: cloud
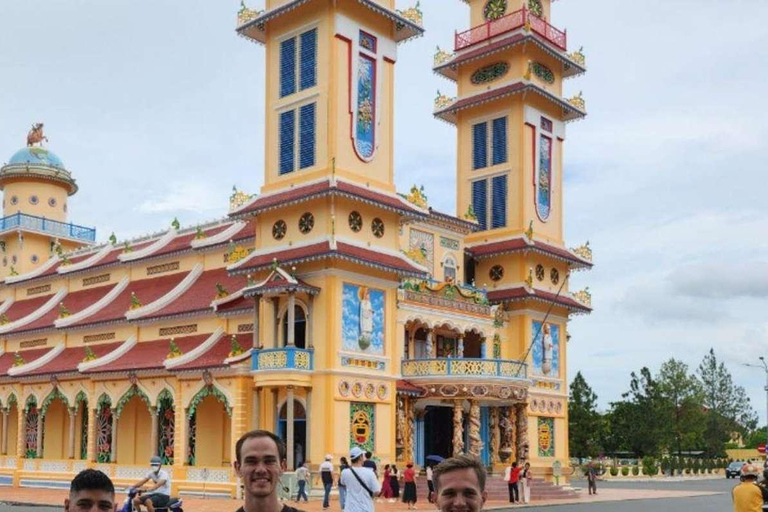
{"points": [[722, 280], [187, 196]]}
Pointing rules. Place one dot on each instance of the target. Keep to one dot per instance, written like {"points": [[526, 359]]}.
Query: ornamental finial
{"points": [[199, 235], [18, 360], [89, 355], [417, 197], [414, 14], [135, 302], [235, 348], [36, 135], [584, 296], [578, 57], [584, 252], [578, 101], [244, 15], [113, 239], [442, 56], [238, 199], [470, 214], [63, 311], [176, 225], [529, 232], [174, 350], [442, 101], [221, 292]]}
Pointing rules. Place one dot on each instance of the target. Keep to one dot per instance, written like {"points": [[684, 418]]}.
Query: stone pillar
{"points": [[21, 429], [113, 453], [410, 419], [90, 451], [276, 409], [483, 348], [6, 414], [276, 310], [310, 326], [475, 441], [460, 346], [493, 427], [430, 347], [154, 432], [72, 426], [256, 312], [308, 427], [181, 432], [239, 417], [291, 319], [255, 404], [40, 426], [289, 426], [512, 431], [522, 433], [400, 429], [458, 428]]}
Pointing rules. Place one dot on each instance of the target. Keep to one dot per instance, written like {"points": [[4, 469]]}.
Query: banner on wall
{"points": [[546, 437]]}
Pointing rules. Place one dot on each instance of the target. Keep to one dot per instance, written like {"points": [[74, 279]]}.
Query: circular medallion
{"points": [[494, 9], [540, 272], [449, 390], [279, 229], [496, 273], [543, 72], [505, 393], [381, 391], [357, 389], [306, 223], [355, 222], [479, 390], [52, 202], [344, 388], [554, 275], [488, 74], [33, 200], [14, 200], [536, 8], [377, 226], [370, 390]]}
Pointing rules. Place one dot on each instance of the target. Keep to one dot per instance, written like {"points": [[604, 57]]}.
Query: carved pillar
{"points": [[310, 326], [506, 435], [410, 420], [6, 414], [276, 322], [256, 312], [430, 347], [291, 319], [72, 426], [154, 432], [308, 427], [460, 346], [289, 424], [512, 432], [93, 434], [255, 405], [475, 441], [400, 431], [458, 428], [493, 427], [522, 433], [113, 453], [40, 425]]}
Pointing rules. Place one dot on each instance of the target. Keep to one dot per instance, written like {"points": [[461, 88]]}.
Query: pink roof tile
{"points": [[68, 360], [216, 355], [149, 355], [7, 359]]}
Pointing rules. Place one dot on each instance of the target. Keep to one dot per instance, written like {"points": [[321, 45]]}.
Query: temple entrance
{"points": [[438, 431], [299, 431]]}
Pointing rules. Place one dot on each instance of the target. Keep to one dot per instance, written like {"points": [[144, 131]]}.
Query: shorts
{"points": [[158, 500]]}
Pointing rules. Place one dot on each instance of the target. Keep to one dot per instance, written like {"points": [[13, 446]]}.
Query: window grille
{"points": [[480, 202]]}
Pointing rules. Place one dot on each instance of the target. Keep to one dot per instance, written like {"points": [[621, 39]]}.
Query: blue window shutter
{"points": [[307, 136], [499, 140], [287, 133], [499, 203], [480, 202], [288, 67], [480, 145], [308, 60]]}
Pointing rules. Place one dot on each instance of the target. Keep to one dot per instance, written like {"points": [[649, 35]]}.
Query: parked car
{"points": [[734, 469]]}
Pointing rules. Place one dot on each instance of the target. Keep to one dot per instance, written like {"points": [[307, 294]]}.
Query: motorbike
{"points": [[173, 506]]}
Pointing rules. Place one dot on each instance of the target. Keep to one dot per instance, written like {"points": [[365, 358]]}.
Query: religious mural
{"points": [[545, 354], [544, 178], [362, 322], [362, 425], [546, 434], [422, 249], [366, 99]]}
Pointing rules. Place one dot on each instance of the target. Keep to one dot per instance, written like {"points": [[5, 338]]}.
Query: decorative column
{"points": [[6, 414], [40, 425], [460, 346], [93, 434], [113, 453], [256, 312], [483, 348], [522, 433], [400, 430], [458, 428], [155, 428], [180, 432], [475, 441], [493, 424], [291, 319], [289, 427], [308, 425], [255, 404], [310, 326], [410, 419], [276, 309], [276, 409], [506, 434], [430, 347], [71, 447]]}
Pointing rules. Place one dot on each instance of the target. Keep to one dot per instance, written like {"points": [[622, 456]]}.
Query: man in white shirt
{"points": [[326, 476], [158, 496], [361, 483]]}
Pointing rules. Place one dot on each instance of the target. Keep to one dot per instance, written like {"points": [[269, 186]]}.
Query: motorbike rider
{"points": [[747, 496], [158, 495]]}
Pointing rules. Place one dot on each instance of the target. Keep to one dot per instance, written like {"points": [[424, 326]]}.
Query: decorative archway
{"points": [[299, 430], [166, 414], [127, 396], [55, 422], [81, 415], [104, 422], [132, 428], [207, 397], [300, 322]]}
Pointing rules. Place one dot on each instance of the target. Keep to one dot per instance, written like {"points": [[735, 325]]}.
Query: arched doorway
{"points": [[210, 430], [56, 424], [81, 426], [300, 327], [134, 429], [299, 431], [12, 435], [473, 345]]}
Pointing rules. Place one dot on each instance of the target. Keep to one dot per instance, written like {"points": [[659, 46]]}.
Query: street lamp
{"points": [[764, 367]]}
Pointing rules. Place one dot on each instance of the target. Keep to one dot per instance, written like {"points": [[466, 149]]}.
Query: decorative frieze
{"points": [[179, 329], [37, 290], [363, 363], [40, 342], [91, 338], [103, 278], [245, 328], [449, 243], [161, 269]]}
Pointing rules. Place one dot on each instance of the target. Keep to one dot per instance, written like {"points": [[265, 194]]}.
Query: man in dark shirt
{"points": [[369, 463], [260, 463]]}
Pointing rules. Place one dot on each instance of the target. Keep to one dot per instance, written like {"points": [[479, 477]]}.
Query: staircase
{"points": [[498, 491]]}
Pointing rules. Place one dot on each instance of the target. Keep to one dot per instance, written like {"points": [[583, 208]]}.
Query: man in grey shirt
{"points": [[361, 483]]}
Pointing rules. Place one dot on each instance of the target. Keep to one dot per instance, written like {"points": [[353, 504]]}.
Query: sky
{"points": [[156, 106]]}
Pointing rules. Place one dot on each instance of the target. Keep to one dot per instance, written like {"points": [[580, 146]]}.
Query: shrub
{"points": [[687, 471], [625, 471], [649, 464], [614, 471], [635, 470], [666, 464]]}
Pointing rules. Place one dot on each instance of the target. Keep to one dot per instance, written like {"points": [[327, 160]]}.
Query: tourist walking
{"points": [[260, 458], [592, 479], [326, 476], [386, 484], [409, 491], [460, 484], [302, 477], [526, 479], [430, 485], [361, 483], [343, 464], [394, 477], [370, 463], [513, 477]]}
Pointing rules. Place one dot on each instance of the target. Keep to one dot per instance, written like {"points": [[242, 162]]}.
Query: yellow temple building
{"points": [[328, 308]]}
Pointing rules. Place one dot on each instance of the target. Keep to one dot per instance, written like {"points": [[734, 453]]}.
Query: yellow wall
{"points": [[13, 430], [55, 444], [43, 191], [134, 433], [213, 434]]}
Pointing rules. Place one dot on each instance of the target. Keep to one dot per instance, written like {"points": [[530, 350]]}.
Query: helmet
{"points": [[155, 461], [750, 470]]}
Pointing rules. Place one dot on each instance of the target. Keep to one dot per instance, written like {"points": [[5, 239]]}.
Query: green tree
{"points": [[584, 421], [637, 423], [682, 397], [727, 406], [755, 438]]}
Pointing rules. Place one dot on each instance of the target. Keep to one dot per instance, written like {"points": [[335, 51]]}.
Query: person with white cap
{"points": [[361, 483], [326, 476]]}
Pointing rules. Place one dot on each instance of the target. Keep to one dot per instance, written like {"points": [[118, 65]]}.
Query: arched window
{"points": [[300, 327], [449, 269]]}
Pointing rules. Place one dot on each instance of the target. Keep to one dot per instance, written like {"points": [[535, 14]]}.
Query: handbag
{"points": [[370, 492]]}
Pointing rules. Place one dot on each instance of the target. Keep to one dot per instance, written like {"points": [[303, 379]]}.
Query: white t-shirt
{"points": [[358, 499], [156, 477], [429, 473]]}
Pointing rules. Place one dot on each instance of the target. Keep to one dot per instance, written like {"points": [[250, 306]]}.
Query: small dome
{"points": [[36, 156]]}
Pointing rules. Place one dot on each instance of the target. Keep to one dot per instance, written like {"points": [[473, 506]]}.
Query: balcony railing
{"points": [[508, 23], [286, 358], [47, 226], [464, 368]]}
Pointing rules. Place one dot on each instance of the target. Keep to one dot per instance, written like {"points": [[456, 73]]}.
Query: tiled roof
{"points": [[521, 293], [22, 308], [181, 242], [68, 360], [522, 244], [404, 386], [235, 305], [7, 359], [149, 355], [219, 352]]}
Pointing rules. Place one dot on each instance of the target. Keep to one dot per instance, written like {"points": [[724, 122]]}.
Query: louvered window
{"points": [[499, 142], [307, 136], [480, 145], [287, 137], [499, 202], [480, 202], [298, 57]]}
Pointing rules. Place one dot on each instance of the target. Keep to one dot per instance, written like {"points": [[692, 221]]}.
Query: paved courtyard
{"points": [[690, 496]]}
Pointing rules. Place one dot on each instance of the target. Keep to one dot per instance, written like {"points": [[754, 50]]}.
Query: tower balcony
{"points": [[25, 222], [422, 371], [508, 23], [283, 359]]}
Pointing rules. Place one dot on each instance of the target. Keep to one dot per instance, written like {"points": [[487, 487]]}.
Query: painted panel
{"points": [[544, 178], [546, 349], [366, 107], [362, 425], [546, 435], [363, 319], [422, 244]]}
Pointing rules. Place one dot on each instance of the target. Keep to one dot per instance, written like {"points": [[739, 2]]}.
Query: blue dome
{"points": [[36, 156]]}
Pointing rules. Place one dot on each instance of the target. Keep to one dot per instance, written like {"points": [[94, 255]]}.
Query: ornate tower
{"points": [[36, 187], [511, 118]]}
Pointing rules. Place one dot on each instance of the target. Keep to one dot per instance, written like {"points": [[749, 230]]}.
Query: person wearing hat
{"points": [[326, 476], [361, 483], [157, 496], [747, 496]]}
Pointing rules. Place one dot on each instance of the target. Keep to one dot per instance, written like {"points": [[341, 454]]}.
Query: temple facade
{"points": [[328, 307]]}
